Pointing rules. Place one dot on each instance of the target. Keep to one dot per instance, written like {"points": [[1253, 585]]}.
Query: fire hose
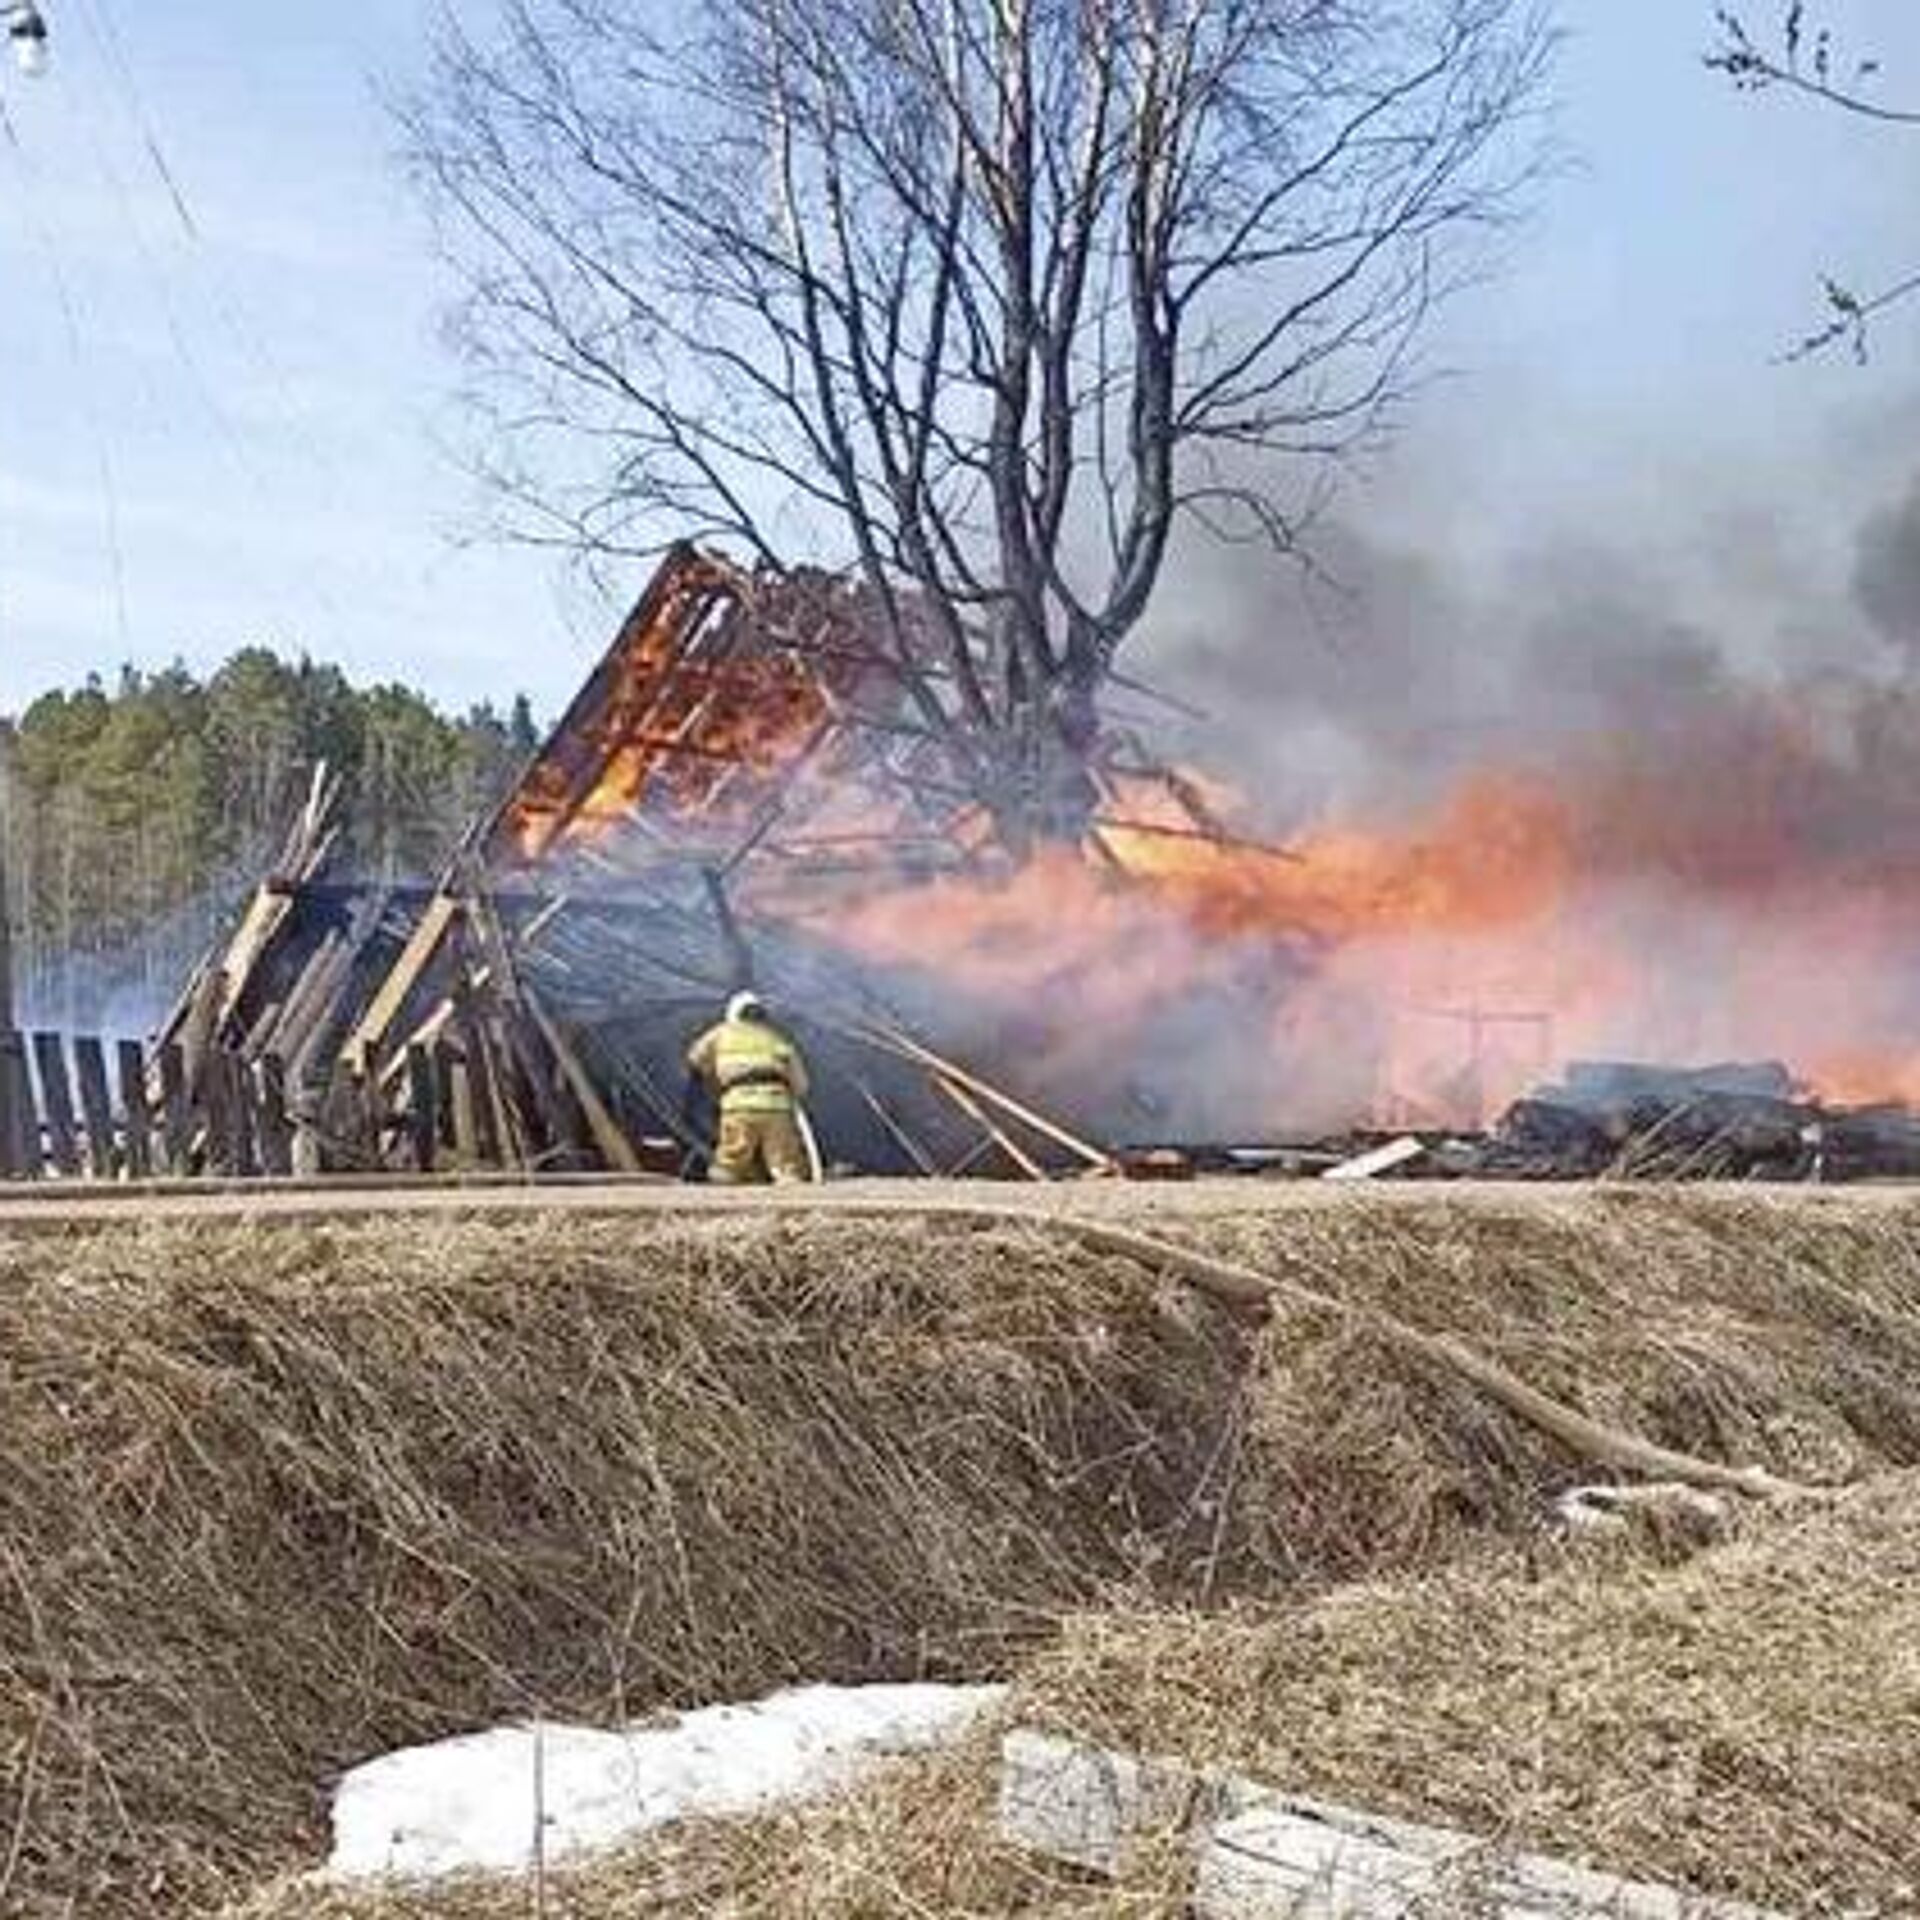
{"points": [[802, 1119]]}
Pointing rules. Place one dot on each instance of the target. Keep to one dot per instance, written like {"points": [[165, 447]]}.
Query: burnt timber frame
{"points": [[749, 747]]}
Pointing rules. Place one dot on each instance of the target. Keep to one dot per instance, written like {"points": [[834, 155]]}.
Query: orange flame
{"points": [[1732, 880], [1430, 974]]}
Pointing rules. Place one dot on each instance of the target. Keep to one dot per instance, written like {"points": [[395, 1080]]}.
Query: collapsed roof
{"points": [[748, 756]]}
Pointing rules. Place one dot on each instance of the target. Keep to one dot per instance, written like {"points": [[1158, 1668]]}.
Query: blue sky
{"points": [[236, 433]]}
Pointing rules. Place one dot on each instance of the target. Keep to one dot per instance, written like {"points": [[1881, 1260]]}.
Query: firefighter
{"points": [[759, 1079]]}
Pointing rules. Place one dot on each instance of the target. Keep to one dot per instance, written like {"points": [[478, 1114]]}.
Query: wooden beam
{"points": [[962, 1099], [615, 1148], [266, 914], [363, 1046], [909, 1048], [493, 1138]]}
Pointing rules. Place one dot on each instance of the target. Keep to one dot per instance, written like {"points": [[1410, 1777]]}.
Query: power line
{"points": [[249, 341], [71, 317], [198, 384], [105, 33]]}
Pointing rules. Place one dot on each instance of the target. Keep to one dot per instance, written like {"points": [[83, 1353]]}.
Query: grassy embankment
{"points": [[278, 1500]]}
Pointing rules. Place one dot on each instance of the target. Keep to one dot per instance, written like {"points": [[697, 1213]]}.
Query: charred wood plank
{"points": [[492, 1139], [56, 1103], [96, 1105], [216, 1105], [20, 1148], [239, 1153], [136, 1117], [460, 1108], [423, 1110], [273, 1126]]}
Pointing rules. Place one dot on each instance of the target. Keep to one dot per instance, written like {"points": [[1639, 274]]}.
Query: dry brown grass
{"points": [[274, 1501], [1746, 1722]]}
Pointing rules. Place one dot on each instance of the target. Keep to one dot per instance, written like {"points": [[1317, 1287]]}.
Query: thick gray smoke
{"points": [[1681, 749], [1886, 575], [1365, 682]]}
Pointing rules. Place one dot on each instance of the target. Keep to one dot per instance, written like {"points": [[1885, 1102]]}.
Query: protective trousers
{"points": [[760, 1146]]}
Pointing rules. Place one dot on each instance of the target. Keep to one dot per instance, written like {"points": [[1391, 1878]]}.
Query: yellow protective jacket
{"points": [[751, 1066]]}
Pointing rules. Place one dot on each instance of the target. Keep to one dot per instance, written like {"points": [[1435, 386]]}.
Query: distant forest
{"points": [[136, 818]]}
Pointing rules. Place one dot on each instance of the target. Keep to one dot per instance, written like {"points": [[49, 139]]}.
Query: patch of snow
{"points": [[474, 1803]]}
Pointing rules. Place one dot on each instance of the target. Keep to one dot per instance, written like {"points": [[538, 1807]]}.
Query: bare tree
{"points": [[985, 297], [1805, 60]]}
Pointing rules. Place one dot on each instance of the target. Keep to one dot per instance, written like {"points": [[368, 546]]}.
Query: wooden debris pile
{"points": [[1620, 1120], [748, 754], [1744, 1121], [755, 754]]}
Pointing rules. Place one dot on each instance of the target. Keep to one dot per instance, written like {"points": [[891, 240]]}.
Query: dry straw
{"points": [[1743, 1722], [274, 1501], [1746, 1722]]}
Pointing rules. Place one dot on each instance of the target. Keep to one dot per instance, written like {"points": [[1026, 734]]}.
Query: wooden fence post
{"points": [[136, 1118], [20, 1149], [56, 1100], [239, 1094], [423, 1121], [96, 1105], [176, 1119], [275, 1130]]}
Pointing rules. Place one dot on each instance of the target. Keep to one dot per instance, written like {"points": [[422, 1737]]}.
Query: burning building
{"points": [[741, 793], [746, 792]]}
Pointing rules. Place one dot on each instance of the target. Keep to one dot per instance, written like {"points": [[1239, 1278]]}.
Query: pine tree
{"points": [[132, 822]]}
